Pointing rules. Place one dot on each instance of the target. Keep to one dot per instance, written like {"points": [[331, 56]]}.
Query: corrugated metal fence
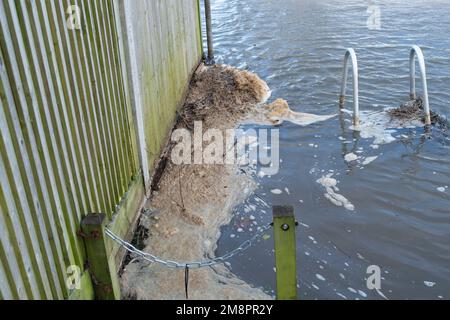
{"points": [[67, 142]]}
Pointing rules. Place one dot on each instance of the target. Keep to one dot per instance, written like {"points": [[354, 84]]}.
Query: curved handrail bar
{"points": [[416, 51], [350, 53]]}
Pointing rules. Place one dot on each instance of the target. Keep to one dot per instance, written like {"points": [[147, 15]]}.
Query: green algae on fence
{"points": [[166, 61]]}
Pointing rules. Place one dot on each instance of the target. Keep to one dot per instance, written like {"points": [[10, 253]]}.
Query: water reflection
{"points": [[401, 220]]}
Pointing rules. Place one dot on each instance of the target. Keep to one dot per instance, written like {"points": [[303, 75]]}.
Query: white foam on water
{"points": [[347, 111], [305, 119], [352, 290], [261, 174], [351, 157], [330, 184], [429, 284], [276, 191], [369, 160], [320, 277], [299, 118], [312, 239], [341, 295], [380, 126], [362, 293], [327, 181], [382, 295]]}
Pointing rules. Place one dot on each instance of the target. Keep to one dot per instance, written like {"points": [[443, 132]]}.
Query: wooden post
{"points": [[101, 268], [285, 252]]}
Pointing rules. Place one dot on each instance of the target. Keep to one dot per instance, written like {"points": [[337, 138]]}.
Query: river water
{"points": [[401, 216]]}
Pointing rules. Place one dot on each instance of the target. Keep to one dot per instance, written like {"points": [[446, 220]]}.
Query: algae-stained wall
{"points": [[167, 48]]}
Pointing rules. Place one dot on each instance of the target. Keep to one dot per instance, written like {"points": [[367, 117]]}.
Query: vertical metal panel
{"points": [[130, 62], [66, 146], [105, 99], [120, 36], [167, 50]]}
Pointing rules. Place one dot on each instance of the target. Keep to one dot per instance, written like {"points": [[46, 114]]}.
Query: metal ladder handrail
{"points": [[417, 52], [350, 53]]}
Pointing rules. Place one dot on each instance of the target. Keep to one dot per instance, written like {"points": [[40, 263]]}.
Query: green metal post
{"points": [[285, 252], [101, 267]]}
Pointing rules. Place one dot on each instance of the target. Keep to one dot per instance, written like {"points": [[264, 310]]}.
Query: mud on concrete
{"points": [[192, 202]]}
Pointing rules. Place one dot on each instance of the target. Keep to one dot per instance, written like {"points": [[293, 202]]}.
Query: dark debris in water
{"points": [[413, 110]]}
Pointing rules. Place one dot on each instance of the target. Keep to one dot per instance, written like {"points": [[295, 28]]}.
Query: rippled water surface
{"points": [[401, 220]]}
